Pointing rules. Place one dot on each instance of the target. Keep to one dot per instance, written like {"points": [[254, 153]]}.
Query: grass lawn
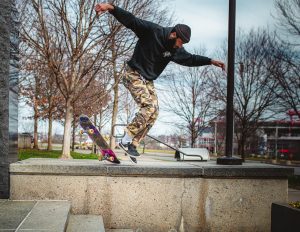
{"points": [[55, 154], [31, 153]]}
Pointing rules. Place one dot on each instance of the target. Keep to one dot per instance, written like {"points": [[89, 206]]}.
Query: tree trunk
{"points": [[67, 131], [241, 148], [73, 133], [193, 135], [192, 142], [100, 120], [35, 131], [116, 97], [94, 149], [114, 117], [50, 133]]}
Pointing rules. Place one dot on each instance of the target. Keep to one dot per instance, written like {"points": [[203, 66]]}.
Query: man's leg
{"points": [[137, 86], [141, 135]]}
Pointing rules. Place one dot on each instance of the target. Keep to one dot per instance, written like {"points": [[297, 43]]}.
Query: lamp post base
{"points": [[224, 160]]}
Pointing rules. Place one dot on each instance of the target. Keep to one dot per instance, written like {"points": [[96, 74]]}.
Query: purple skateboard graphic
{"points": [[94, 134]]}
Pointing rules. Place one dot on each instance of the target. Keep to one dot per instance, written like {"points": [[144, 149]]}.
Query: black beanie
{"points": [[183, 32]]}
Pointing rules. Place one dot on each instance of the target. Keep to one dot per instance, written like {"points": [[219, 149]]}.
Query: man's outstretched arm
{"points": [[185, 58], [138, 26]]}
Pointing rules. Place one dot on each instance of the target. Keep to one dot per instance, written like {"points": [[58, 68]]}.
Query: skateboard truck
{"points": [[90, 132], [106, 156]]}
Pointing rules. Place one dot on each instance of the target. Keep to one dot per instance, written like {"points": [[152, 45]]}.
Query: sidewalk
{"points": [[294, 195], [292, 163]]}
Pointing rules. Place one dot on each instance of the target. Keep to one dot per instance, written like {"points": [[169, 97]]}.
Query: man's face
{"points": [[178, 43], [174, 41]]}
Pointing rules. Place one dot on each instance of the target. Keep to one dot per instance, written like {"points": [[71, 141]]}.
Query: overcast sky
{"points": [[208, 19]]}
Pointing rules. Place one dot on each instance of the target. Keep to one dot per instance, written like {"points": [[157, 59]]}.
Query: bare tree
{"points": [[286, 51], [91, 102], [286, 73], [187, 98], [51, 106], [30, 86], [66, 35], [40, 92], [253, 99], [288, 17]]}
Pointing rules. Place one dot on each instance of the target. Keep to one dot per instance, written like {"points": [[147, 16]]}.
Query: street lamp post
{"points": [[228, 159]]}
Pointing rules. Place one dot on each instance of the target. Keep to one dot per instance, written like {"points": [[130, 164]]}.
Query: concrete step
{"points": [[90, 223], [24, 216]]}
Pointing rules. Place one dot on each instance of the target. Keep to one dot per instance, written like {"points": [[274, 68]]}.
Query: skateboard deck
{"points": [[94, 134]]}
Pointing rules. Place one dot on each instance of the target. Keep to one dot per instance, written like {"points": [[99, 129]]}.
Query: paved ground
{"points": [[294, 195]]}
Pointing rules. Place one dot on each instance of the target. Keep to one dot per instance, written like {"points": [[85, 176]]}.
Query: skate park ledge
{"points": [[158, 196]]}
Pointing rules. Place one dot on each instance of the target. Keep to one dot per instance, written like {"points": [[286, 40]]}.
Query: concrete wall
{"points": [[4, 95], [13, 85], [8, 91], [161, 204]]}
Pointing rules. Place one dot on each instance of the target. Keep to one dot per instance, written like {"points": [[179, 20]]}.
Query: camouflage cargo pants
{"points": [[143, 92]]}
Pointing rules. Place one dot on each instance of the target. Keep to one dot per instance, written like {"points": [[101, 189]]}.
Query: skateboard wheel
{"points": [[91, 131], [100, 157], [81, 132], [111, 159]]}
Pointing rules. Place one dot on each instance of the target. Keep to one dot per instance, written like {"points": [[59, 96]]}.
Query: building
{"points": [[283, 139], [274, 139]]}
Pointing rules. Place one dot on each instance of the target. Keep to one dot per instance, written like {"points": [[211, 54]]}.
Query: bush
{"points": [[295, 204]]}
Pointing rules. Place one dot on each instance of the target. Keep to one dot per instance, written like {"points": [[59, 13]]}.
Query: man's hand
{"points": [[102, 7], [218, 64]]}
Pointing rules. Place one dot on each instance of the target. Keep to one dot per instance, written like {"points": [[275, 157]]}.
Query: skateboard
{"points": [[94, 134]]}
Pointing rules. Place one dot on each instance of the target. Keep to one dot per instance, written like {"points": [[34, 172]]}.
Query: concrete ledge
{"points": [[158, 196], [147, 169]]}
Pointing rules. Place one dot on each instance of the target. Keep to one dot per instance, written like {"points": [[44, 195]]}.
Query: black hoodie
{"points": [[153, 50]]}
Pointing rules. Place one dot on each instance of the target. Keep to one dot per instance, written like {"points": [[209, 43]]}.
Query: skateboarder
{"points": [[156, 47]]}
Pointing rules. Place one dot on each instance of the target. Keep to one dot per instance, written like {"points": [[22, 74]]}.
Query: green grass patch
{"points": [[76, 155], [31, 153]]}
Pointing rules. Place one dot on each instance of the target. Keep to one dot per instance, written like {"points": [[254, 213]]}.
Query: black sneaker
{"points": [[132, 150], [124, 146]]}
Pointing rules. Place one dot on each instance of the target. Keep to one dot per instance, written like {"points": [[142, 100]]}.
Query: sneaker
{"points": [[132, 150], [124, 146]]}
